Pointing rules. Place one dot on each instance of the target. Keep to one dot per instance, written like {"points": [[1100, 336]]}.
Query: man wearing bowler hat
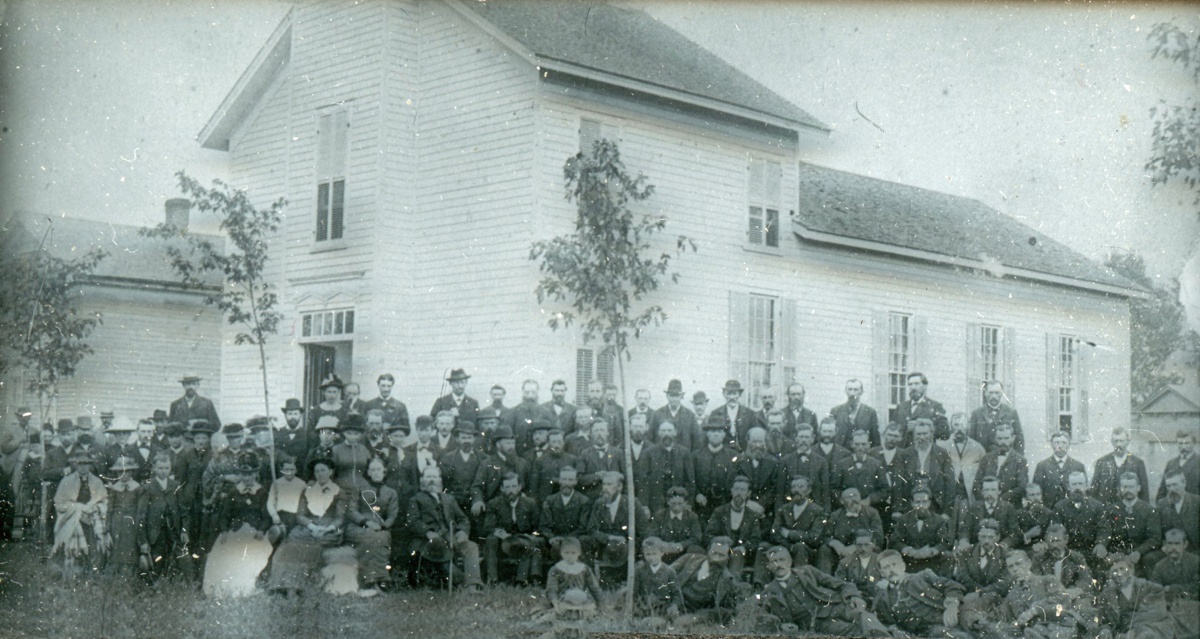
{"points": [[687, 429], [293, 438], [192, 405], [457, 401], [738, 417]]}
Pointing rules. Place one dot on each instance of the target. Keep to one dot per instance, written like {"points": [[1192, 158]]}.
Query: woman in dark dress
{"points": [[122, 519], [331, 402], [242, 550]]}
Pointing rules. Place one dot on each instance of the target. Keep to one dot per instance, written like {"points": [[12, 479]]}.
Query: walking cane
{"points": [[450, 569]]}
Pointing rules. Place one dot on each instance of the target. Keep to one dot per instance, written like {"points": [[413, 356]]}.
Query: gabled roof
{"points": [[131, 260], [620, 43], [866, 213], [1173, 399]]}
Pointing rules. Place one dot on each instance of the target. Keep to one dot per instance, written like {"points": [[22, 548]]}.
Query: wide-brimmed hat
{"points": [[200, 426], [331, 380], [467, 427], [173, 429], [503, 431], [24, 411], [699, 396], [327, 422], [258, 423], [80, 456], [732, 386], [716, 421], [247, 463], [354, 421], [65, 425], [674, 387], [159, 414], [121, 424], [124, 462], [233, 429], [389, 427], [457, 375], [189, 378], [292, 404]]}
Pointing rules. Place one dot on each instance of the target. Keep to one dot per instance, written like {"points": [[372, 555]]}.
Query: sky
{"points": [[1039, 110]]}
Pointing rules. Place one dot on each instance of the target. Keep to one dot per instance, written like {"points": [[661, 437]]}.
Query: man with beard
{"points": [[779, 445], [766, 399], [1188, 463], [459, 467], [676, 526], [351, 400], [1131, 530], [995, 412], [377, 439], [596, 456], [1080, 514], [609, 412], [639, 428], [738, 418], [920, 406], [855, 415], [1032, 519], [460, 405], [565, 513], [843, 525], [1054, 557], [687, 427], [1034, 606], [795, 414], [709, 588], [544, 469], [511, 527], [981, 572], [1178, 571], [923, 604], [579, 438], [1005, 464], [965, 456], [667, 465], [558, 409], [140, 450], [827, 446], [539, 433], [737, 521], [1053, 473], [764, 471], [608, 523], [806, 600], [861, 471], [442, 529], [1108, 470], [924, 462], [923, 537], [989, 506], [522, 416], [496, 408], [424, 451], [394, 410], [713, 463], [293, 438], [799, 523], [1180, 509], [490, 477], [806, 462], [192, 405], [861, 568]]}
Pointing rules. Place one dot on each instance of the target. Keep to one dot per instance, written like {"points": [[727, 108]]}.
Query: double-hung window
{"points": [[764, 202], [332, 144]]}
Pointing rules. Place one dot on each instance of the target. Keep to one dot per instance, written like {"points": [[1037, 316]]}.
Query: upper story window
{"points": [[763, 196], [332, 144], [591, 130], [899, 357], [327, 325]]}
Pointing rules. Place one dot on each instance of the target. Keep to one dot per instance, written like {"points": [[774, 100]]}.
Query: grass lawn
{"points": [[36, 603]]}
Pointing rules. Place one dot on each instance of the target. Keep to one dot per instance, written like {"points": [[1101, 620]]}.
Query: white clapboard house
{"points": [[420, 144]]}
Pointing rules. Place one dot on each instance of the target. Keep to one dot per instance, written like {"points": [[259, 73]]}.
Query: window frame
{"points": [[764, 204], [330, 173]]}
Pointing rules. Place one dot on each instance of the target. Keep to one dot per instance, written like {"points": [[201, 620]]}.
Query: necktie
{"points": [[1058, 570], [702, 574], [85, 491], [920, 524]]}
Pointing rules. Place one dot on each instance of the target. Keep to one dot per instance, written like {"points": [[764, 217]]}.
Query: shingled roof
{"points": [[628, 43], [857, 211], [132, 260]]}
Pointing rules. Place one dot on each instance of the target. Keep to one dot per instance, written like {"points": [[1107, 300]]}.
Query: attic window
{"points": [[763, 197], [332, 144]]}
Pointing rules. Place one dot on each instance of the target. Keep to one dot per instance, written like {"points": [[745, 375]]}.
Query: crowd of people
{"points": [[931, 524]]}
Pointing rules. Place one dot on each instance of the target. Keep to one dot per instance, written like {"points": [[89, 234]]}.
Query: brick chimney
{"points": [[178, 213]]}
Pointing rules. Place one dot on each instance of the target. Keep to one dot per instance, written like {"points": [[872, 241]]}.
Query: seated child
{"points": [[284, 498], [571, 585], [656, 588]]}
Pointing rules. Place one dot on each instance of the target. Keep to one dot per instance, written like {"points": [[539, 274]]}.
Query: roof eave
{"points": [[950, 260], [250, 87]]}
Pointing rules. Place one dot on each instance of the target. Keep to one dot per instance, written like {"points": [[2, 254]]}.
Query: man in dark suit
{"points": [[993, 414], [843, 525], [394, 410], [503, 460], [922, 604], [713, 462], [521, 417], [668, 466], [1178, 570], [924, 462], [687, 429], [1005, 464], [1188, 462], [558, 410], [920, 406], [677, 526], [1080, 513], [855, 415], [162, 526], [511, 527], [433, 515], [1056, 558], [766, 399], [566, 512], [459, 467], [544, 470], [738, 418], [595, 455], [1180, 509], [1054, 472], [988, 506], [806, 600], [457, 401], [861, 471], [799, 522], [641, 398], [293, 438], [764, 471], [1131, 530], [737, 521], [805, 461], [1109, 468], [192, 405], [608, 523], [609, 411], [922, 536], [795, 414], [889, 453]]}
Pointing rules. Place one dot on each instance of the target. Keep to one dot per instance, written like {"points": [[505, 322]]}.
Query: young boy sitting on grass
{"points": [[571, 585], [656, 587]]}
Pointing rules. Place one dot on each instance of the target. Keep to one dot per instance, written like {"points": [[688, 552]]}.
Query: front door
{"points": [[319, 363]]}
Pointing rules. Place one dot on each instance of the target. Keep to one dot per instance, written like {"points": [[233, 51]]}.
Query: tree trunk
{"points": [[631, 554]]}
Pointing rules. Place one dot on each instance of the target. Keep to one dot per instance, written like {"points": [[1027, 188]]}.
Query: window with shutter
{"points": [[763, 200], [591, 130], [332, 148], [899, 358], [762, 342], [590, 365], [1065, 386]]}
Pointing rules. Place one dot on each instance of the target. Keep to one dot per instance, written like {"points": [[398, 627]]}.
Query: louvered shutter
{"points": [[589, 132], [1052, 372], [974, 380], [1010, 364], [918, 353], [1083, 358], [787, 342], [879, 363], [583, 374], [739, 336]]}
